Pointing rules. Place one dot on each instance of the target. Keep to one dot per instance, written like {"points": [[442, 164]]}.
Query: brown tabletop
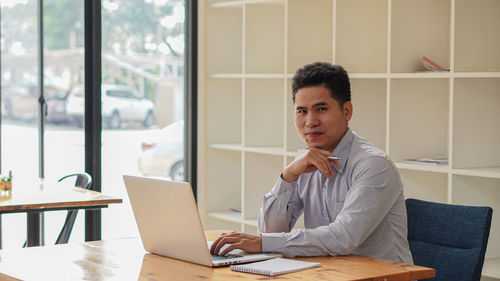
{"points": [[35, 199], [125, 259], [53, 198]]}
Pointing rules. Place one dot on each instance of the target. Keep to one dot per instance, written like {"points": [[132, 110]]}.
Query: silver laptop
{"points": [[169, 223]]}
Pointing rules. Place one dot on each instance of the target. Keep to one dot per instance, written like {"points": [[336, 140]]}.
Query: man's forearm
{"points": [[279, 207]]}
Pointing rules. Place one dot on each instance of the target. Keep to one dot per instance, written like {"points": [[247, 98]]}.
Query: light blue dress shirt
{"points": [[359, 210]]}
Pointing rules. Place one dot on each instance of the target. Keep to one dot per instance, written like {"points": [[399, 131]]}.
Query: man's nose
{"points": [[312, 120]]}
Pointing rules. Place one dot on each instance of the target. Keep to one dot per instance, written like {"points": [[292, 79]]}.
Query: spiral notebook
{"points": [[274, 267]]}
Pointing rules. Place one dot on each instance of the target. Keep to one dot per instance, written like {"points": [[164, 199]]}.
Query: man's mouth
{"points": [[314, 134]]}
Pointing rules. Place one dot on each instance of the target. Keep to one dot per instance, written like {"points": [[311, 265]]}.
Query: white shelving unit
{"points": [[249, 51]]}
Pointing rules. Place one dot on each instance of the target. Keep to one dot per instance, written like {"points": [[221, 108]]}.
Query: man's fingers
{"points": [[323, 164], [213, 247], [230, 248], [224, 241], [214, 244]]}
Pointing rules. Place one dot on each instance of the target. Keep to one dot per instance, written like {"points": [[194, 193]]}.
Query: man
{"points": [[354, 205]]}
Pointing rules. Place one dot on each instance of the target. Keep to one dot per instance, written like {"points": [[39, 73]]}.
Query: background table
{"points": [[34, 200], [125, 259]]}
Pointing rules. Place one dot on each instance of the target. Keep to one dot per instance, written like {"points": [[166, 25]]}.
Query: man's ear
{"points": [[347, 110]]}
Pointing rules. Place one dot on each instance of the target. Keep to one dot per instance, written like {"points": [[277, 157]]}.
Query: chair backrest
{"points": [[83, 179], [452, 239]]}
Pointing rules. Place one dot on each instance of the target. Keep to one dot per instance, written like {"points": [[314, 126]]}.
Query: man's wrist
{"points": [[288, 176]]}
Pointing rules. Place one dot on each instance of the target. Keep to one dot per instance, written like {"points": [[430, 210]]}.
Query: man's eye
{"points": [[301, 111], [322, 109]]}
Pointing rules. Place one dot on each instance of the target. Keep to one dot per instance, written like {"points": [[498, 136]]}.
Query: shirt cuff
{"points": [[273, 242], [282, 187]]}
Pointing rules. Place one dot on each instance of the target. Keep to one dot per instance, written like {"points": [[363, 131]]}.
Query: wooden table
{"points": [[34, 200], [125, 259]]}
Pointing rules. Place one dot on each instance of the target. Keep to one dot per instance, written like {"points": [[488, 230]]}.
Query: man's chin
{"points": [[316, 145]]}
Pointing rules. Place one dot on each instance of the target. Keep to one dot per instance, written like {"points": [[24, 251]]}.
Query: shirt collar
{"points": [[342, 150]]}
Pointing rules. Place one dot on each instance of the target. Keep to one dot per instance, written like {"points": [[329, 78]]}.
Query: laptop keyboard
{"points": [[220, 258]]}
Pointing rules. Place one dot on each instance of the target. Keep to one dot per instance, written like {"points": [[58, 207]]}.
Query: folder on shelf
{"points": [[433, 161]]}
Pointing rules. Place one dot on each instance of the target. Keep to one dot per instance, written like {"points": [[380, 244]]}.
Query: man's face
{"points": [[319, 119]]}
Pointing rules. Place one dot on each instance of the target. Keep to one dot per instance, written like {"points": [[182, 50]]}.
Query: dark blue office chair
{"points": [[452, 239], [83, 180]]}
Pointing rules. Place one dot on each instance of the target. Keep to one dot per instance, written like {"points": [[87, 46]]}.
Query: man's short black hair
{"points": [[332, 77]]}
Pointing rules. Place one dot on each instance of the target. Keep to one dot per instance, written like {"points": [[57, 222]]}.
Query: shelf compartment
{"points": [[491, 268], [264, 112], [212, 223], [252, 223], [475, 123], [427, 168], [250, 228], [223, 180], [361, 36], [369, 110], [261, 172], [265, 38], [294, 141], [479, 191], [485, 172], [223, 46], [227, 216], [419, 118], [477, 39], [424, 185], [419, 28], [223, 110], [310, 32]]}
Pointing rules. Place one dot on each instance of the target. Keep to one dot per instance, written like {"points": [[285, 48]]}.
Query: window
{"points": [[143, 49]]}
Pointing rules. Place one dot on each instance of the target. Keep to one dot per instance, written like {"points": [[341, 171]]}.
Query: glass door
{"points": [[143, 45], [63, 139]]}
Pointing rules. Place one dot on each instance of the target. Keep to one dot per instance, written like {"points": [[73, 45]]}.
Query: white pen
{"points": [[333, 158]]}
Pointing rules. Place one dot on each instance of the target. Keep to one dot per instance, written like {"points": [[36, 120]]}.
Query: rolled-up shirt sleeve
{"points": [[375, 188], [281, 208]]}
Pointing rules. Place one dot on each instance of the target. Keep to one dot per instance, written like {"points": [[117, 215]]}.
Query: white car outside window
{"points": [[119, 104]]}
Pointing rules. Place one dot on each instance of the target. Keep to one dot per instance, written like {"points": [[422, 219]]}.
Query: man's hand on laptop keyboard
{"points": [[236, 240]]}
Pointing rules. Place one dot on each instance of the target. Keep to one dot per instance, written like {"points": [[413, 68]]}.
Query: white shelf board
{"points": [[443, 74], [476, 74], [266, 150], [226, 146], [437, 74], [238, 3], [426, 168], [487, 172], [226, 216], [491, 268], [293, 153]]}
